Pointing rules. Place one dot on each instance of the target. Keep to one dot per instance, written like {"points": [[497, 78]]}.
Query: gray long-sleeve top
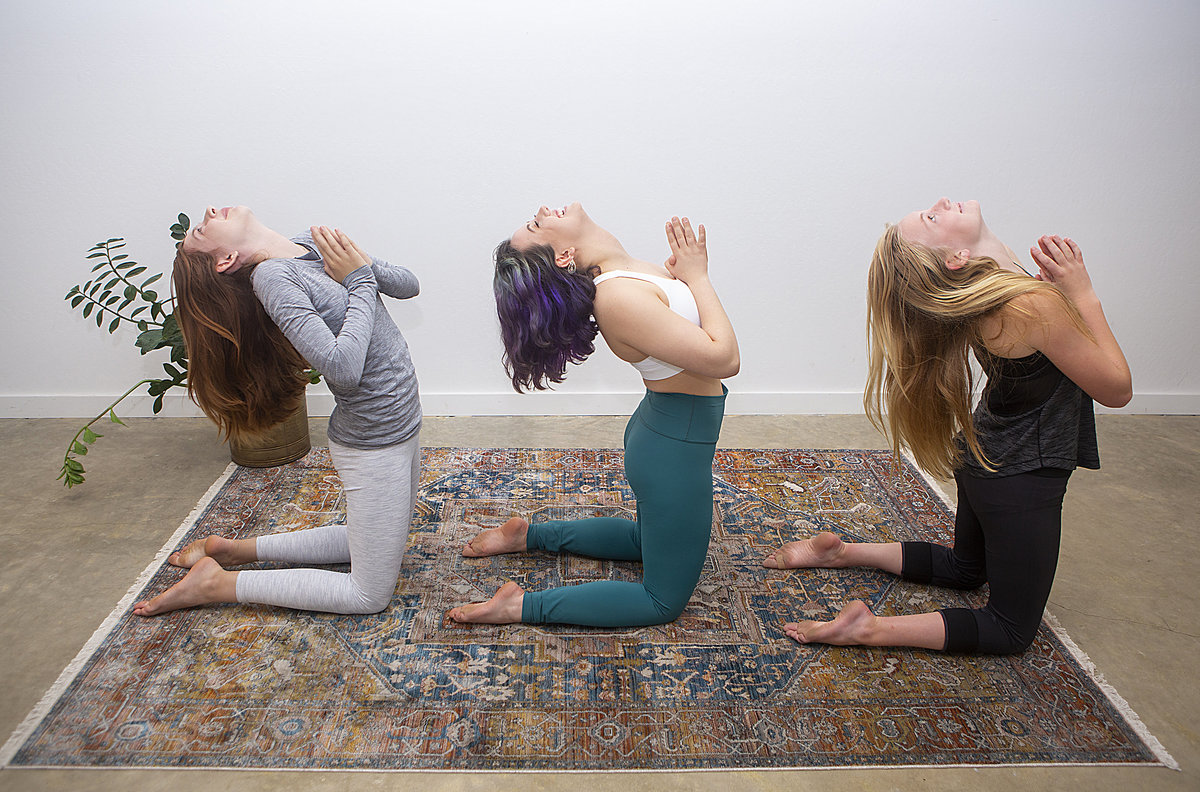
{"points": [[344, 332]]}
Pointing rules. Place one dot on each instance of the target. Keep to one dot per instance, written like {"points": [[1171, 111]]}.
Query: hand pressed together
{"points": [[1060, 261], [689, 254], [341, 255]]}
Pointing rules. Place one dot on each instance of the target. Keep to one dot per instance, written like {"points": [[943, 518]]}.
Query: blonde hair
{"points": [[922, 320]]}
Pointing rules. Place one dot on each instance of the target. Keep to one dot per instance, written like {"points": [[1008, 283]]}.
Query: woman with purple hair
{"points": [[559, 280]]}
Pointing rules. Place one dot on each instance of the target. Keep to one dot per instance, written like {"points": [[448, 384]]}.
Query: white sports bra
{"points": [[679, 300]]}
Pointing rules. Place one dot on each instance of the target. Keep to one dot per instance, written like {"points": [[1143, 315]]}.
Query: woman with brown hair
{"points": [[941, 285], [256, 308]]}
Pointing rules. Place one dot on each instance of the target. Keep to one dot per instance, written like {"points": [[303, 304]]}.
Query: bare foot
{"points": [[503, 608], [823, 550], [850, 627], [204, 583], [508, 538], [226, 552]]}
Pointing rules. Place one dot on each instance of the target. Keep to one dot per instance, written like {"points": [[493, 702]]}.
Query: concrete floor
{"points": [[1126, 589]]}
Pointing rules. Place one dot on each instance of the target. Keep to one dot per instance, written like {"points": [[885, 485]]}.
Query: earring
{"points": [[571, 267]]}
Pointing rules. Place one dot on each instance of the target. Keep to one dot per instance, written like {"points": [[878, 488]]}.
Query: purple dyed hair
{"points": [[545, 315]]}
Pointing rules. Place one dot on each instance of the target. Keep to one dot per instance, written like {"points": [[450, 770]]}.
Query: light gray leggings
{"points": [[380, 486]]}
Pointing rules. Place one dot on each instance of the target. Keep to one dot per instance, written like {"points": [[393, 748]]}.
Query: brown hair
{"points": [[922, 320], [245, 375]]}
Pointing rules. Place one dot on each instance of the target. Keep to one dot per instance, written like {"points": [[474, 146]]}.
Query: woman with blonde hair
{"points": [[256, 308], [559, 280], [940, 286]]}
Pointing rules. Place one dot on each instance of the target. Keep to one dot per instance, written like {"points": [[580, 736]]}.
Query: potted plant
{"points": [[114, 296]]}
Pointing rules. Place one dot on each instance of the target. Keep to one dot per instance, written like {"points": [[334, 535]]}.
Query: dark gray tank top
{"points": [[1031, 417]]}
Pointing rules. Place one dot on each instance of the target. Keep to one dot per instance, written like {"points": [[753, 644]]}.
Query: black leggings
{"points": [[1006, 534]]}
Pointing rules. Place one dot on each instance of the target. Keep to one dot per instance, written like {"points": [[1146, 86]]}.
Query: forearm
{"points": [[341, 357], [394, 280], [1093, 316], [715, 322]]}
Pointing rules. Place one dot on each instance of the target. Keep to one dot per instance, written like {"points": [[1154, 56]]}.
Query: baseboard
{"points": [[320, 403]]}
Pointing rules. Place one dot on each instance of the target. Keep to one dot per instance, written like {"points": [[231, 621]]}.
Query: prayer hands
{"points": [[1060, 261], [689, 254], [339, 252]]}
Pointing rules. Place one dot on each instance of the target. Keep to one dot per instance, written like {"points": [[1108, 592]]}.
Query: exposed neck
{"points": [[990, 245], [266, 243], [603, 250]]}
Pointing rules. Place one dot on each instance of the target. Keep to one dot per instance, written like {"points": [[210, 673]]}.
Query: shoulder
{"points": [[275, 274], [627, 295], [272, 269]]}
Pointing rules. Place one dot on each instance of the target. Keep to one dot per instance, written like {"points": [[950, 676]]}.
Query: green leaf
{"points": [[74, 290], [112, 417], [150, 340], [78, 448], [101, 265], [130, 291], [137, 311], [120, 257], [99, 318], [110, 240], [75, 465], [115, 324], [157, 407], [89, 436], [87, 310], [133, 273], [126, 265], [94, 287], [183, 221], [124, 303], [150, 295], [151, 279], [112, 282], [175, 373], [97, 254], [110, 300], [78, 299]]}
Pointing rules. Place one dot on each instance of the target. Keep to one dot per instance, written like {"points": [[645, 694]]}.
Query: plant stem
{"points": [[117, 313]]}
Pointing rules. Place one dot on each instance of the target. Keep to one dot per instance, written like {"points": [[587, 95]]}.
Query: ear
{"points": [[566, 258], [958, 260], [230, 263]]}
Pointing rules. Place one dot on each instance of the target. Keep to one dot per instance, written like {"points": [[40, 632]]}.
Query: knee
{"points": [[1014, 639], [968, 580], [371, 602], [1005, 636], [669, 609]]}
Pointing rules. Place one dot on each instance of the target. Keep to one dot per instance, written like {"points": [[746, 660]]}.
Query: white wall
{"points": [[429, 130]]}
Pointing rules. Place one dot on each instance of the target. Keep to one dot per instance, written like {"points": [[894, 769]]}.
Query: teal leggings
{"points": [[669, 446]]}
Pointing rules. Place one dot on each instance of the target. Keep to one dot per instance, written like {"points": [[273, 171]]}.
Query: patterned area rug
{"points": [[722, 687]]}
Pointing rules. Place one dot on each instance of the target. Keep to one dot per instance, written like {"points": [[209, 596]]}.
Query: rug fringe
{"points": [[42, 708], [1116, 699]]}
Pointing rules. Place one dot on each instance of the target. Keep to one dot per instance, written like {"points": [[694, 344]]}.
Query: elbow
{"points": [[1117, 398], [734, 364], [726, 367], [342, 380], [1117, 392]]}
